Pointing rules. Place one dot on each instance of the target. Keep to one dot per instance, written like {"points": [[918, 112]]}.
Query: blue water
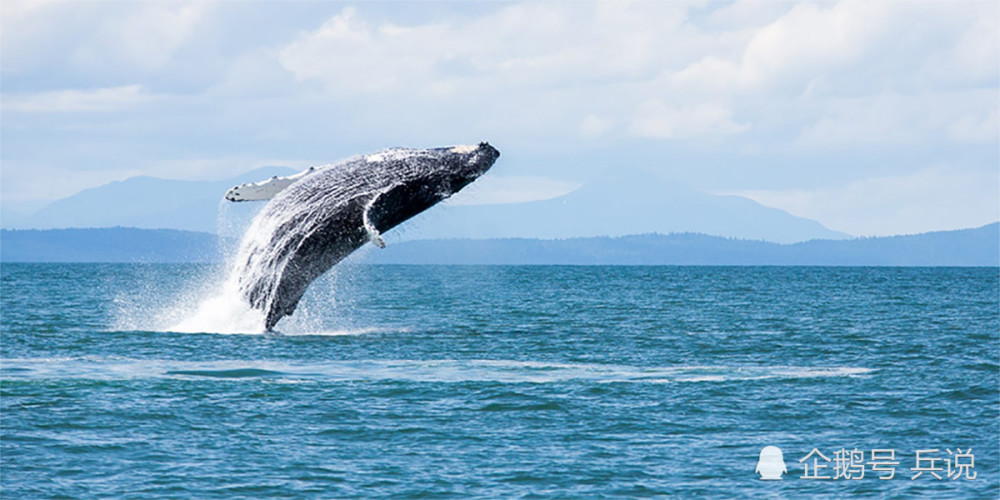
{"points": [[498, 382]]}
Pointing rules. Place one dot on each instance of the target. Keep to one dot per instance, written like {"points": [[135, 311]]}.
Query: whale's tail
{"points": [[266, 189]]}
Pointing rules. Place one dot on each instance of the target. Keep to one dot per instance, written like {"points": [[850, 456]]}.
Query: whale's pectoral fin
{"points": [[371, 217], [373, 233], [264, 190]]}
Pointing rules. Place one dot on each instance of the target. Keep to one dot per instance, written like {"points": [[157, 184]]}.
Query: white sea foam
{"points": [[345, 332], [442, 370], [211, 302], [226, 312]]}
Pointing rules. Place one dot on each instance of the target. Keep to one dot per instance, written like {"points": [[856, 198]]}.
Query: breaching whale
{"points": [[318, 217]]}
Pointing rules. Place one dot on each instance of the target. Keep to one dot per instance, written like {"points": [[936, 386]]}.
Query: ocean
{"points": [[504, 381]]}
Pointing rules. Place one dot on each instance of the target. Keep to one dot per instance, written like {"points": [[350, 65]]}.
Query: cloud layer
{"points": [[764, 97]]}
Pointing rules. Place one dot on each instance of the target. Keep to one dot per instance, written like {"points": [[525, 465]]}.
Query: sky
{"points": [[874, 118]]}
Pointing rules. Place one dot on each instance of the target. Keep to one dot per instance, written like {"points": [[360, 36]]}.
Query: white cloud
{"points": [[594, 126], [92, 38], [106, 99], [627, 57], [849, 48], [893, 118], [515, 48], [768, 84], [811, 40], [744, 14], [148, 36], [657, 119], [865, 120], [984, 127], [931, 199], [349, 54], [964, 57], [710, 74]]}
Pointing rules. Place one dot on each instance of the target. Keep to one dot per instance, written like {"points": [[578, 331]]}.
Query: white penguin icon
{"points": [[771, 464]]}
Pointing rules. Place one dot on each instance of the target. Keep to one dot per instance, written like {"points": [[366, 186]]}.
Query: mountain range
{"points": [[621, 202], [966, 247], [142, 202]]}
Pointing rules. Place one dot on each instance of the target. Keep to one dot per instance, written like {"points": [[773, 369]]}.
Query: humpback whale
{"points": [[316, 218]]}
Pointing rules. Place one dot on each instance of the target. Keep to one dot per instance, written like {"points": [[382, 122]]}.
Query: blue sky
{"points": [[870, 117]]}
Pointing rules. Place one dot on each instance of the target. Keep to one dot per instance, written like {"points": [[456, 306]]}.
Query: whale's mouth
{"points": [[484, 158], [475, 161]]}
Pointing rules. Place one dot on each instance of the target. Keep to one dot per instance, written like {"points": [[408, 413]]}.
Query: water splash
{"points": [[313, 224], [226, 312], [208, 307], [316, 222]]}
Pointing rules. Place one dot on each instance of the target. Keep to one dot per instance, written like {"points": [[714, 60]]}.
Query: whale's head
{"points": [[464, 164], [448, 171]]}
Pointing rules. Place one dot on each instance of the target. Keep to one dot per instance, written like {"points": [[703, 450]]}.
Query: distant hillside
{"points": [[117, 244], [621, 202], [967, 247], [143, 202]]}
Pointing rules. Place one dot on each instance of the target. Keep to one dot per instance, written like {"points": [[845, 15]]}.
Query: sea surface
{"points": [[531, 381]]}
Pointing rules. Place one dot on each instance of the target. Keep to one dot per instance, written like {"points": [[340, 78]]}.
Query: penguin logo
{"points": [[771, 464]]}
